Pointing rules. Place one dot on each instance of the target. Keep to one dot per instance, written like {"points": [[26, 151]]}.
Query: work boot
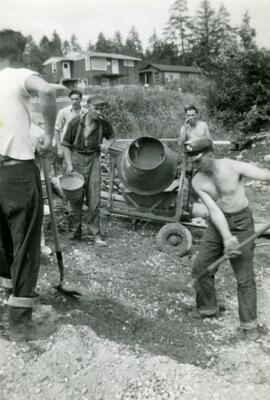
{"points": [[99, 241], [23, 328], [197, 314]]}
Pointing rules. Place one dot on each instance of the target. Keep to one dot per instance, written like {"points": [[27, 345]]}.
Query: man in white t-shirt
{"points": [[21, 205], [65, 115]]}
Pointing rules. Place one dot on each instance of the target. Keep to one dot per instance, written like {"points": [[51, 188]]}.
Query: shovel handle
{"points": [[44, 165], [250, 239]]}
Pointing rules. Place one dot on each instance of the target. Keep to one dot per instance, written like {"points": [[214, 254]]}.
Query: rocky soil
{"points": [[130, 336]]}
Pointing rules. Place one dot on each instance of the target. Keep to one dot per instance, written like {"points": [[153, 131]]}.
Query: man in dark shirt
{"points": [[82, 144]]}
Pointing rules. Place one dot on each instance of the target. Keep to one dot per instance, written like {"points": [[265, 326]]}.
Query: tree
{"points": [[177, 29], [56, 45], [160, 51], [204, 28], [224, 33], [66, 48], [117, 42], [102, 44], [45, 50], [32, 55], [74, 44], [90, 46], [133, 45], [246, 33], [240, 88]]}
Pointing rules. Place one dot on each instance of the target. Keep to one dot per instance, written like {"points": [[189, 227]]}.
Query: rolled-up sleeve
{"points": [[70, 134], [60, 121]]}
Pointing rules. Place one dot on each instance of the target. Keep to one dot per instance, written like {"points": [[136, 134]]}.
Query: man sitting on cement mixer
{"points": [[219, 184], [82, 144]]}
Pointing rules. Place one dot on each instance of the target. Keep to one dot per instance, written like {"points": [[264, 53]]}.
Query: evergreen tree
{"points": [[32, 55], [133, 45], [177, 30], [74, 44], [204, 34], [90, 46], [117, 43], [56, 45], [45, 50], [102, 44], [246, 33], [66, 48], [224, 34], [159, 51]]}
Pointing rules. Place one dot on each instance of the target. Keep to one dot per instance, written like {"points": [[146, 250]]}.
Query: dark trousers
{"points": [[89, 167], [241, 225], [21, 213]]}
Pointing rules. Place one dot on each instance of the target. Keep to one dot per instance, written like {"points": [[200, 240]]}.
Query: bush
{"points": [[239, 93], [135, 111]]}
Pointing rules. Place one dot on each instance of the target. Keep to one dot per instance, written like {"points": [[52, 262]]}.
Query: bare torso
{"points": [[224, 185]]}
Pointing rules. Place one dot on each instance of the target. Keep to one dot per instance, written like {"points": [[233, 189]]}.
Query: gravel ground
{"points": [[129, 336]]}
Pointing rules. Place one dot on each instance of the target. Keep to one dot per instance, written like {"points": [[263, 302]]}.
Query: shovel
{"points": [[188, 286], [61, 286], [223, 258]]}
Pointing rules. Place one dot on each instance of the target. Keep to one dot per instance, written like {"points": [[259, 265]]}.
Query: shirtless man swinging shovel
{"points": [[219, 184]]}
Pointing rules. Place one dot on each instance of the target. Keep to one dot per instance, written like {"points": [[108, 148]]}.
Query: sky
{"points": [[86, 18]]}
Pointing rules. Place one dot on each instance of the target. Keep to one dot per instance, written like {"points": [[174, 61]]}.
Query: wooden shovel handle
{"points": [[250, 239]]}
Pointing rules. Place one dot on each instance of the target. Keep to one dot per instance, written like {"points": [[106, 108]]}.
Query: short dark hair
{"points": [[75, 91], [12, 44], [191, 107]]}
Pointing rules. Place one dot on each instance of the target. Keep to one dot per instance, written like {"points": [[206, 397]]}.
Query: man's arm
{"points": [[109, 137], [216, 214], [182, 137], [68, 158], [60, 121], [68, 142], [38, 86], [251, 171], [207, 132]]}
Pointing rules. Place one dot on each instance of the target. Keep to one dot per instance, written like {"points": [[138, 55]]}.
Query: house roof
{"points": [[79, 56], [172, 68]]}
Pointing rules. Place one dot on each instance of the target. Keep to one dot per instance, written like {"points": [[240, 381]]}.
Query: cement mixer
{"points": [[143, 185]]}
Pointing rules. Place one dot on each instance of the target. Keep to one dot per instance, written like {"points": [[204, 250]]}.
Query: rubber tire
{"points": [[181, 232]]}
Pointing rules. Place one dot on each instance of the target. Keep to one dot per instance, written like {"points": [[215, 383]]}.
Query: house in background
{"points": [[159, 74], [92, 68]]}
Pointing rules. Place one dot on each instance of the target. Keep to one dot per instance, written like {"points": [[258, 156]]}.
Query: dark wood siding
{"points": [[50, 76]]}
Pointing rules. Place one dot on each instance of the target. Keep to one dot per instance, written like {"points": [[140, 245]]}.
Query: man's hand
{"points": [[231, 247], [60, 152], [104, 148], [70, 169], [44, 144]]}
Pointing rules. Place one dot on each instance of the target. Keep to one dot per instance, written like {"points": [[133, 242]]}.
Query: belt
{"points": [[7, 163], [243, 211]]}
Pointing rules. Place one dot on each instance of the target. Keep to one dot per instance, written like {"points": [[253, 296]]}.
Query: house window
{"points": [[105, 82], [99, 64], [87, 64], [156, 77], [54, 68], [128, 63]]}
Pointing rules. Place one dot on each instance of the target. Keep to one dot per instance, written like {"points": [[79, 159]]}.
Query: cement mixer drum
{"points": [[147, 167]]}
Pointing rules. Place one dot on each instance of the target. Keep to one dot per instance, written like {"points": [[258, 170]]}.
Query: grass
{"points": [[134, 111]]}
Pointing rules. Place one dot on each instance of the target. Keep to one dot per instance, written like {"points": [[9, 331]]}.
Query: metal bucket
{"points": [[72, 186], [147, 167]]}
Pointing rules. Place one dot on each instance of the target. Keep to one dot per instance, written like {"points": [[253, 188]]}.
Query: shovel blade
{"points": [[67, 291]]}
